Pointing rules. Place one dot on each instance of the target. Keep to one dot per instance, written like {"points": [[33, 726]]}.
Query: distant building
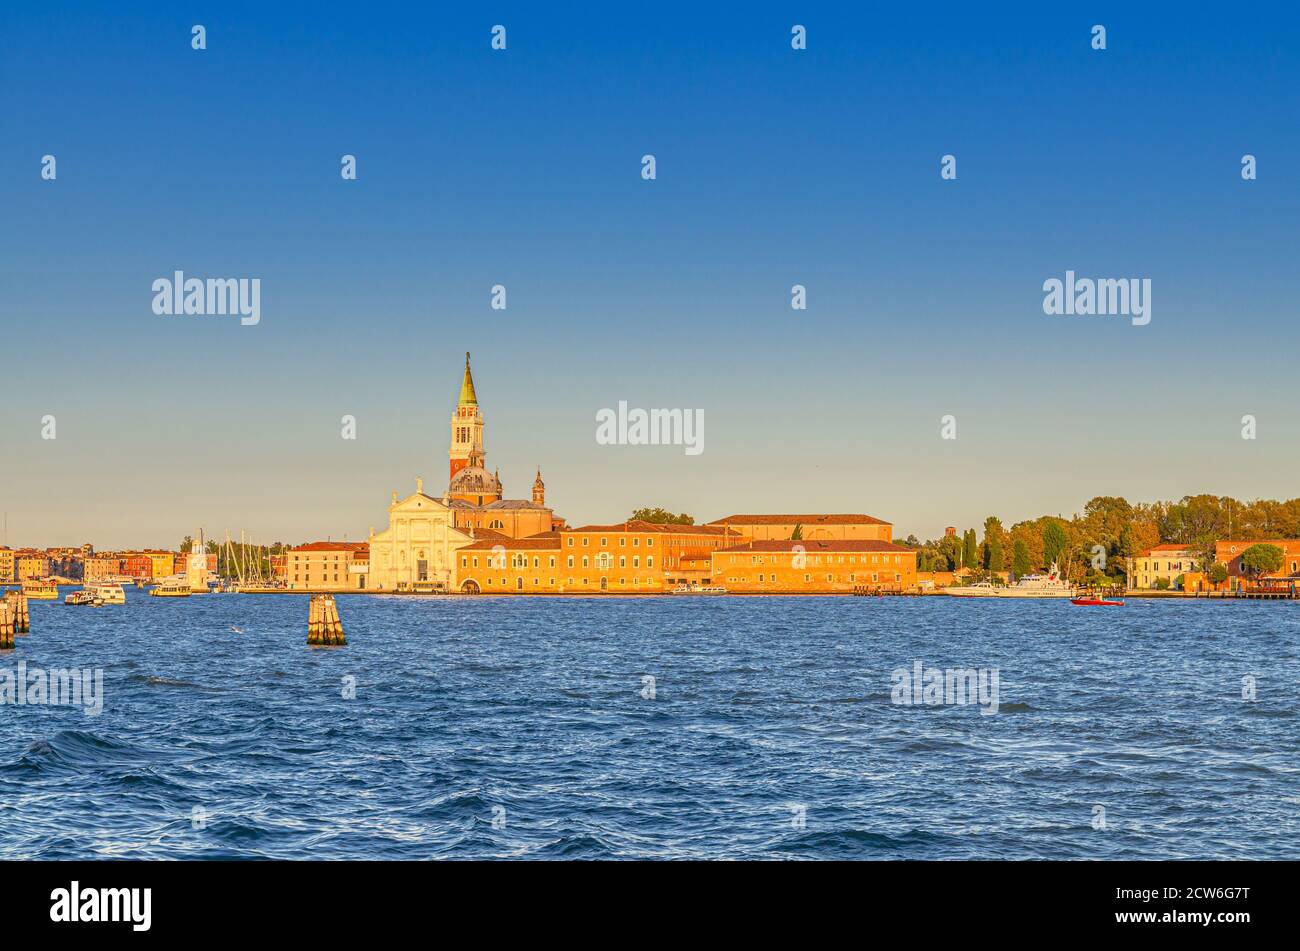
{"points": [[632, 557], [1162, 561], [328, 566], [101, 566], [417, 552], [1228, 553], [781, 527], [161, 563], [834, 566], [30, 564], [6, 564]]}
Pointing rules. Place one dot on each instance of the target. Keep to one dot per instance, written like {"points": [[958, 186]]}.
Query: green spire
{"points": [[467, 395]]}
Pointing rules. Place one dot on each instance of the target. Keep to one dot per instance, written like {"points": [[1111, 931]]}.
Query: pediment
{"points": [[419, 502]]}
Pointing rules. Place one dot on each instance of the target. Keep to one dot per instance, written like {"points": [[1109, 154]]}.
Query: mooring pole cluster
{"points": [[323, 625], [17, 602], [6, 626]]}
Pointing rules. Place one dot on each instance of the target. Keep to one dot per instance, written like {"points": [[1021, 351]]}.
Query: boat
{"points": [[1050, 585], [980, 589], [698, 589], [79, 597], [107, 593], [171, 588], [1097, 602], [41, 590]]}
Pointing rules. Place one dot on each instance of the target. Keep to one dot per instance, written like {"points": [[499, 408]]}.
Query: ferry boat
{"points": [[1050, 585], [79, 597], [698, 589], [41, 590], [106, 593], [171, 589]]}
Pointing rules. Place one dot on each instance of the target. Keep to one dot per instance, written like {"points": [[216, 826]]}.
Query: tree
{"points": [[797, 534], [1262, 559], [970, 550], [1020, 558], [950, 546], [993, 543], [1218, 573], [1054, 542], [660, 516]]}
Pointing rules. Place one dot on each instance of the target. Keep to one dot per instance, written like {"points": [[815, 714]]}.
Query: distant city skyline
{"points": [[522, 168]]}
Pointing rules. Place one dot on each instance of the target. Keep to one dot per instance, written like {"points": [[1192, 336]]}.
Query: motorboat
{"points": [[1050, 585]]}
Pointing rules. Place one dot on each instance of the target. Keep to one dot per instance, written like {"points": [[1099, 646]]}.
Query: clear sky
{"points": [[523, 167]]}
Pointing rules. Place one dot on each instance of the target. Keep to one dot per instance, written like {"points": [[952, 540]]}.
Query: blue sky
{"points": [[522, 167]]}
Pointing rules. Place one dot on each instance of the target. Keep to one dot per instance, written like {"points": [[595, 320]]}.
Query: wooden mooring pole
{"points": [[18, 612], [6, 626], [323, 625]]}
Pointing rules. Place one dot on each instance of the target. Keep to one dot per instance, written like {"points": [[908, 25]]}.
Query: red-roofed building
{"points": [[815, 566], [1162, 561], [328, 566], [782, 527]]}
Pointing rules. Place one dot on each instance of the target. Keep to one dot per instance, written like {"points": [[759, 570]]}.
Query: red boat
{"points": [[1097, 602]]}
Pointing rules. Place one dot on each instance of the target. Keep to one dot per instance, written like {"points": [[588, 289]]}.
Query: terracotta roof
{"points": [[1234, 547], [334, 546], [800, 520], [539, 542], [635, 525], [812, 546], [1151, 551]]}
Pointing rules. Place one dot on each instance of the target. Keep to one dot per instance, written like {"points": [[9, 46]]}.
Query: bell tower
{"points": [[466, 427], [539, 489]]}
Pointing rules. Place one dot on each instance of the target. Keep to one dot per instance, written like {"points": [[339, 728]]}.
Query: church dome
{"points": [[474, 480]]}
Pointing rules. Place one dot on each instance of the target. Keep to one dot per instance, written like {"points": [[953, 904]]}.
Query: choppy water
{"points": [[531, 710]]}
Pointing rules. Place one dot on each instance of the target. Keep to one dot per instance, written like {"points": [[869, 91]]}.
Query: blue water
{"points": [[766, 710]]}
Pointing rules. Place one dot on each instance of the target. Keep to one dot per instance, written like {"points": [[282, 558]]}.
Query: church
{"points": [[417, 550]]}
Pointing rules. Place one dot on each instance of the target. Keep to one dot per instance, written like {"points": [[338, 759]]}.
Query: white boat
{"points": [[1050, 585], [172, 588], [698, 589], [79, 597], [106, 593]]}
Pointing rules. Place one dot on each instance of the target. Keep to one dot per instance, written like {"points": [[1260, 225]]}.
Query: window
{"points": [[604, 542], [649, 542], [570, 565], [585, 561], [649, 561], [622, 561], [622, 542], [570, 541]]}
